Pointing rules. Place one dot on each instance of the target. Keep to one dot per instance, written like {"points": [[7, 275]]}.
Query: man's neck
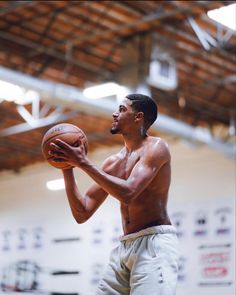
{"points": [[133, 142]]}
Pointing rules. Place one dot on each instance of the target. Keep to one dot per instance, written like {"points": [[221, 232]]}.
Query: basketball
{"points": [[69, 133]]}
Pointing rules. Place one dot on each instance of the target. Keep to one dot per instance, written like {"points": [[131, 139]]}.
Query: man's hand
{"points": [[63, 152]]}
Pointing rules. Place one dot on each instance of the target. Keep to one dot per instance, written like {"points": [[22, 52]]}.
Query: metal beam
{"points": [[42, 122], [191, 38], [49, 25], [220, 35], [60, 94], [205, 38], [228, 80], [172, 47]]}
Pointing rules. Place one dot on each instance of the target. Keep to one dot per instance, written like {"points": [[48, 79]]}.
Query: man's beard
{"points": [[114, 130]]}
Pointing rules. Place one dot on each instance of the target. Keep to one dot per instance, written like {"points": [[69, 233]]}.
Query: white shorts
{"points": [[145, 262]]}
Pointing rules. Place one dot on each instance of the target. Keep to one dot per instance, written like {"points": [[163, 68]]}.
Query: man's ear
{"points": [[139, 116]]}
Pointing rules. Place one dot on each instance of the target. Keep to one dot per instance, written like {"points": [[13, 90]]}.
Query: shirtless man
{"points": [[145, 261]]}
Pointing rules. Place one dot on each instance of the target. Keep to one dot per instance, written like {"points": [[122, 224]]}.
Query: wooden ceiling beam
{"points": [[17, 59], [120, 29], [192, 106], [29, 44], [204, 79], [13, 5], [35, 16]]}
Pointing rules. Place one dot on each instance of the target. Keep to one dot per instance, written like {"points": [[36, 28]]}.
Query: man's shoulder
{"points": [[158, 142], [159, 147]]}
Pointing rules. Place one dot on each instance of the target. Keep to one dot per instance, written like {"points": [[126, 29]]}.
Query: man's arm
{"points": [[83, 207], [125, 190]]}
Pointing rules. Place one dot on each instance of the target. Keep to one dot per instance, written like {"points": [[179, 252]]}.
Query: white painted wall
{"points": [[198, 175]]}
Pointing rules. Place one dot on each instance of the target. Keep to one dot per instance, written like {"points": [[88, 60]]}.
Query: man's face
{"points": [[123, 118]]}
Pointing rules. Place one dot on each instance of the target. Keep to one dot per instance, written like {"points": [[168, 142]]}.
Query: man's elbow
{"points": [[80, 218]]}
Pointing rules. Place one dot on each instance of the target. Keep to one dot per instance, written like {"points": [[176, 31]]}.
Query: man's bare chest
{"points": [[123, 167]]}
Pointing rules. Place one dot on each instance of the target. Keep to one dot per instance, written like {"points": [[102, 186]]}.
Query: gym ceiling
{"points": [[81, 43]]}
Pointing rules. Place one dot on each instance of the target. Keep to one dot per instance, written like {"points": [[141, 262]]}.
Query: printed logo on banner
{"points": [[37, 237], [182, 271], [96, 271], [201, 223], [215, 257], [215, 264], [215, 272], [22, 239], [98, 235], [116, 233], [178, 220], [6, 237], [223, 221]]}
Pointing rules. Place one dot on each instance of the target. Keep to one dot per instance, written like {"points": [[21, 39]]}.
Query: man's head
{"points": [[146, 105], [135, 108]]}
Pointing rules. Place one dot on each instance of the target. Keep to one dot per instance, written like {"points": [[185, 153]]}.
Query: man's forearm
{"points": [[115, 186], [75, 198]]}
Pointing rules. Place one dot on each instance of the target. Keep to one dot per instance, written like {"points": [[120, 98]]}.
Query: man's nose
{"points": [[115, 114]]}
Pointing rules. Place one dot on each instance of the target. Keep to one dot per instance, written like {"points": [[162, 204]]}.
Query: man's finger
{"points": [[58, 160], [56, 153], [62, 143], [55, 147]]}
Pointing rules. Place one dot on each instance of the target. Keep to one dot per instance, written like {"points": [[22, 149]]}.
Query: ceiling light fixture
{"points": [[56, 184], [9, 91], [225, 15], [102, 90], [14, 93]]}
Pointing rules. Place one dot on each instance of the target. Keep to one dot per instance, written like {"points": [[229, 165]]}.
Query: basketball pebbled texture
{"points": [[69, 133]]}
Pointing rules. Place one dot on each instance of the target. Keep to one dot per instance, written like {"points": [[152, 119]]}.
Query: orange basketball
{"points": [[69, 133]]}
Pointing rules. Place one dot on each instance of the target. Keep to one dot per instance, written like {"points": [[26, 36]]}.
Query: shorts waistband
{"points": [[159, 229]]}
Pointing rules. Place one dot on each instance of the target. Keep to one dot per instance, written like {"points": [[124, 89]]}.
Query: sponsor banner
{"points": [[61, 256], [206, 232]]}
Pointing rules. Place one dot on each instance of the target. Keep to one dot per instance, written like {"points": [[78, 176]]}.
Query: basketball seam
{"points": [[73, 132]]}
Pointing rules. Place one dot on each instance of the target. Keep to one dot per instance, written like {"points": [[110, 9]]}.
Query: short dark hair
{"points": [[145, 104]]}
